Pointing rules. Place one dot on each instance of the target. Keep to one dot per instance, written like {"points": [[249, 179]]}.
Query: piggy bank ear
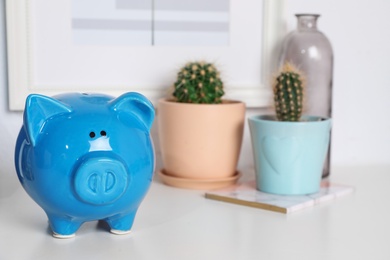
{"points": [[135, 104], [37, 111]]}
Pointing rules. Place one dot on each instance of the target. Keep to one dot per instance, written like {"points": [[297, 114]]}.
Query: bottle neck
{"points": [[307, 22]]}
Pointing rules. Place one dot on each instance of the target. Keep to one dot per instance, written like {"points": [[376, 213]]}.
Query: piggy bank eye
{"points": [[103, 133], [92, 134]]}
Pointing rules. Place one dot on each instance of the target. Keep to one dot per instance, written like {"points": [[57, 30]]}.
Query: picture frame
{"points": [[246, 64]]}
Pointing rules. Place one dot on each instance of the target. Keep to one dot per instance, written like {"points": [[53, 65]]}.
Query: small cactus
{"points": [[288, 90], [198, 82]]}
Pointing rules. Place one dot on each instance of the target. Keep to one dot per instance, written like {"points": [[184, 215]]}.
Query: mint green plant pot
{"points": [[289, 156]]}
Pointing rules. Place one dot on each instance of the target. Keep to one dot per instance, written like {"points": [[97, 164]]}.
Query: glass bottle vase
{"points": [[311, 52]]}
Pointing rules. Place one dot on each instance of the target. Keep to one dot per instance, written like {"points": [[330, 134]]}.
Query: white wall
{"points": [[9, 122], [358, 30]]}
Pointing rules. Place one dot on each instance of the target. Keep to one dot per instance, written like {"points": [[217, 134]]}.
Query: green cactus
{"points": [[288, 90], [198, 82]]}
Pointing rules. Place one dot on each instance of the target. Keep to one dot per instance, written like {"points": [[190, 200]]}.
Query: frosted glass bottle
{"points": [[311, 52]]}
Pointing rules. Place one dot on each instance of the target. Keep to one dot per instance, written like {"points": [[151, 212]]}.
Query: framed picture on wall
{"points": [[115, 46]]}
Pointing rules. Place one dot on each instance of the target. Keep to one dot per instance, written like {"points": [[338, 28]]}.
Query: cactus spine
{"points": [[198, 82], [288, 90]]}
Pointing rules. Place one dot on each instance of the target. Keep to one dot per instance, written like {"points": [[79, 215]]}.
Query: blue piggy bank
{"points": [[85, 157]]}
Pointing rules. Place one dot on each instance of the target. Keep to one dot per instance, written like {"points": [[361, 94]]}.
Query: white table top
{"points": [[181, 224]]}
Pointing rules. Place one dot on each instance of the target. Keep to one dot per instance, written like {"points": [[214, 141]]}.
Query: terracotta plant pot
{"points": [[200, 142]]}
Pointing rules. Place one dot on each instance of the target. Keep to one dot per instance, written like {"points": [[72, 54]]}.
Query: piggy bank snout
{"points": [[100, 180]]}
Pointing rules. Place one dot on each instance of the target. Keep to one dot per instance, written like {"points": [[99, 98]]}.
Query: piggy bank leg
{"points": [[63, 227], [121, 225]]}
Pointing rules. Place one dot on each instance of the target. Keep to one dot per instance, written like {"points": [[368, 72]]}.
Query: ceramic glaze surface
{"points": [[289, 156], [85, 157]]}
